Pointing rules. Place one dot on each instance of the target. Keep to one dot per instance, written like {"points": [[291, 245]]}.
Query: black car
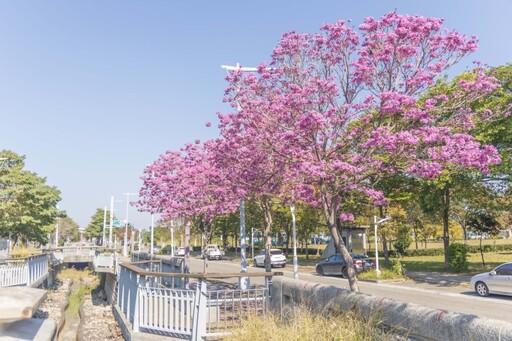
{"points": [[334, 265]]}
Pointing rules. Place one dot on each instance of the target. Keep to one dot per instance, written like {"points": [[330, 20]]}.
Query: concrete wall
{"points": [[415, 320]]}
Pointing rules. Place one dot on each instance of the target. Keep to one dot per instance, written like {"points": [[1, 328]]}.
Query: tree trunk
{"points": [[385, 248], [482, 251], [464, 232], [446, 216], [330, 207], [265, 206]]}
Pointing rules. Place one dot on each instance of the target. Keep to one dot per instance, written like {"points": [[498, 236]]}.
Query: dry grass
{"points": [[307, 326], [20, 252], [72, 273], [87, 282]]}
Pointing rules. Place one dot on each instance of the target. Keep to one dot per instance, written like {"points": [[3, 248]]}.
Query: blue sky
{"points": [[92, 91]]}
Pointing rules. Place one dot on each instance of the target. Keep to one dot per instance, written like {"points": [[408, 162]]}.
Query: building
{"points": [[354, 238]]}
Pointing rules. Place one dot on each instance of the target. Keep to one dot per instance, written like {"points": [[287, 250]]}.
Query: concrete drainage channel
{"points": [[71, 318], [78, 305]]}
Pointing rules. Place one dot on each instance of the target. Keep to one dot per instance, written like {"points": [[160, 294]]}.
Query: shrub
{"points": [[458, 257], [403, 239]]}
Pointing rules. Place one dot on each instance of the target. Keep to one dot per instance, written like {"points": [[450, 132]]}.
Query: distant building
{"points": [[353, 237]]}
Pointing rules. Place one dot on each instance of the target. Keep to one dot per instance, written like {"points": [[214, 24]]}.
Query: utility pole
{"points": [[294, 233], [375, 225], [104, 226], [244, 282], [57, 235], [112, 201], [151, 246], [125, 245]]}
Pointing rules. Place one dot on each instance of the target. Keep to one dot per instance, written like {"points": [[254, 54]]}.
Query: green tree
{"points": [[95, 227], [496, 131], [68, 229], [27, 203], [484, 222]]}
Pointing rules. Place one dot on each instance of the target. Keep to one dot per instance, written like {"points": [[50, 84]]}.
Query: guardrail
{"points": [[197, 310], [29, 271]]}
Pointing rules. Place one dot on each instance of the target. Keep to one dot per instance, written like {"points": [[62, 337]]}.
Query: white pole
{"points": [[152, 235], [140, 241], [172, 240], [57, 235], [244, 281], [294, 233], [125, 246], [111, 221], [104, 226], [377, 270], [252, 242]]}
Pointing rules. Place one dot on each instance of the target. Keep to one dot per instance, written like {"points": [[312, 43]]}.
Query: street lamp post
{"points": [[244, 281], [172, 238], [125, 246], [294, 233], [152, 236], [104, 226], [252, 242], [111, 223], [375, 224]]}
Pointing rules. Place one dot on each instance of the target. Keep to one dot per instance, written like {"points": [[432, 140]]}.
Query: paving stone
{"points": [[30, 329], [19, 303]]}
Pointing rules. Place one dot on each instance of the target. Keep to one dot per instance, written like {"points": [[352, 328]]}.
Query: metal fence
{"points": [[203, 308], [30, 271], [13, 273]]}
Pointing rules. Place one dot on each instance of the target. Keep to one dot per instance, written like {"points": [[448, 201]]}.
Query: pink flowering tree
{"points": [[254, 174], [186, 184], [337, 110]]}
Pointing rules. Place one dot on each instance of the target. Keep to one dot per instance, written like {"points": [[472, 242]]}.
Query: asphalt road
{"points": [[455, 298]]}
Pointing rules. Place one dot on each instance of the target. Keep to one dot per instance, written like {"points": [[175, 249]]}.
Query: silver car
{"points": [[497, 281]]}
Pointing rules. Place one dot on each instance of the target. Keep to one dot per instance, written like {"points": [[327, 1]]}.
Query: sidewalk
{"points": [[439, 278]]}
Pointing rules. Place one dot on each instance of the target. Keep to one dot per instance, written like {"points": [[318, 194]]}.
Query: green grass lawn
{"points": [[424, 263], [436, 263]]}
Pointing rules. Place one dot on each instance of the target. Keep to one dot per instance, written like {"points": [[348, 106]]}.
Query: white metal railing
{"points": [[226, 308], [37, 268], [13, 273], [165, 310], [29, 271], [191, 313]]}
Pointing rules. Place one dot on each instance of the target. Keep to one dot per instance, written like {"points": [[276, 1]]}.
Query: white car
{"points": [[180, 252], [497, 281], [277, 258], [212, 251]]}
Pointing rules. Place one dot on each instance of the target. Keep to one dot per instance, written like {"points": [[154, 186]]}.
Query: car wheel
{"points": [[320, 271], [344, 272], [481, 289], [284, 265]]}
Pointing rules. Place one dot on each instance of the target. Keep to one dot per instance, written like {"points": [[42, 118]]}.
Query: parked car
{"points": [[156, 248], [277, 258], [367, 263], [212, 251], [497, 281], [180, 252], [335, 265]]}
